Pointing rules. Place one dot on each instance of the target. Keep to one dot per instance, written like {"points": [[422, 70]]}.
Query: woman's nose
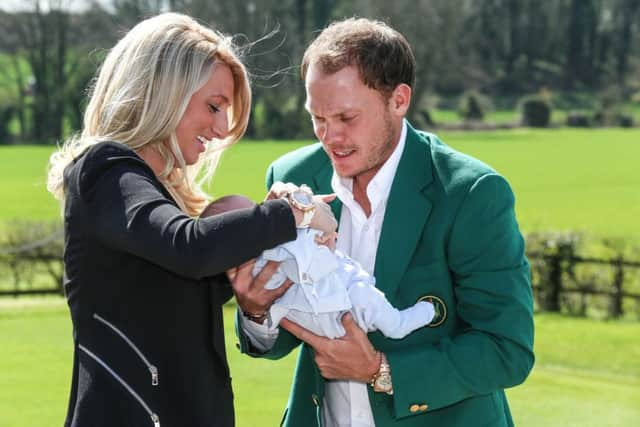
{"points": [[220, 126]]}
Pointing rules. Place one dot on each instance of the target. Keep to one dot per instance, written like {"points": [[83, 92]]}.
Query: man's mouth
{"points": [[342, 153]]}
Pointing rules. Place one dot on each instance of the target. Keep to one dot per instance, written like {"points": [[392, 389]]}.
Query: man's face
{"points": [[357, 126]]}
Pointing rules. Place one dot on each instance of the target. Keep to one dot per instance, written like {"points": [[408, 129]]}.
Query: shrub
{"points": [[612, 117], [625, 120], [578, 119], [31, 257], [536, 111], [473, 105]]}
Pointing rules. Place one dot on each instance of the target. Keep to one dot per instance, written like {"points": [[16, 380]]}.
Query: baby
{"points": [[327, 284]]}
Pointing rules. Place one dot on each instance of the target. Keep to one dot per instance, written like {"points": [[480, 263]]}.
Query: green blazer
{"points": [[449, 233]]}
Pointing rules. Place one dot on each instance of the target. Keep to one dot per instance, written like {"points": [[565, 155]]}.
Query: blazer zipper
{"points": [[154, 418], [152, 369]]}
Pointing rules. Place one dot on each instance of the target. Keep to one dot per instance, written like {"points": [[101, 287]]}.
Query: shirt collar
{"points": [[380, 186]]}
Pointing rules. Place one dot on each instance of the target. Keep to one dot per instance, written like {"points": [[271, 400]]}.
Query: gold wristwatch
{"points": [[302, 199], [381, 381]]}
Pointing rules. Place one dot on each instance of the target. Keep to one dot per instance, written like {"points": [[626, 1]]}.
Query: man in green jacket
{"points": [[431, 224]]}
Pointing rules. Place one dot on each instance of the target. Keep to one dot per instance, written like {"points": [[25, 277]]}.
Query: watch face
{"points": [[303, 198], [383, 382]]}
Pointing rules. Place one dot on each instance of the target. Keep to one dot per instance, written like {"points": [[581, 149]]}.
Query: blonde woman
{"points": [[144, 277]]}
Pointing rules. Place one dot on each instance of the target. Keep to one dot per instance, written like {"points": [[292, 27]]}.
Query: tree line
{"points": [[503, 49]]}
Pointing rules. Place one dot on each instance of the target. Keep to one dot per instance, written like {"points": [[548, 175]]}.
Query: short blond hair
{"points": [[141, 92]]}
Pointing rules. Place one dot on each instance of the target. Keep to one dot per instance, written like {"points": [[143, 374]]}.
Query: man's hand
{"points": [[252, 296], [351, 357]]}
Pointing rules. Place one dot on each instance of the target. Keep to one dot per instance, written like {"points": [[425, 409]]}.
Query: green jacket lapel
{"points": [[406, 213]]}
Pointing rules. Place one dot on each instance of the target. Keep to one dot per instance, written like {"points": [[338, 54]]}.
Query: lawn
{"points": [[587, 372], [563, 179]]}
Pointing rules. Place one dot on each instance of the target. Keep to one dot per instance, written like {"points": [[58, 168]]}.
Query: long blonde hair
{"points": [[141, 92]]}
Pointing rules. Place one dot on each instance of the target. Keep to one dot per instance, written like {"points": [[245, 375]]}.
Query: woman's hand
{"points": [[323, 218], [280, 189], [253, 298]]}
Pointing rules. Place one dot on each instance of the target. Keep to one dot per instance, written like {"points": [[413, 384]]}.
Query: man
{"points": [[431, 224]]}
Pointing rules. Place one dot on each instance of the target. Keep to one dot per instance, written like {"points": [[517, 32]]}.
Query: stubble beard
{"points": [[380, 152]]}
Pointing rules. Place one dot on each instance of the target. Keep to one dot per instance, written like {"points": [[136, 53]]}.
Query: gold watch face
{"points": [[383, 382], [302, 199]]}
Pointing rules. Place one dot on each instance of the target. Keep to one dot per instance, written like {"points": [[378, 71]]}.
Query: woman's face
{"points": [[206, 115]]}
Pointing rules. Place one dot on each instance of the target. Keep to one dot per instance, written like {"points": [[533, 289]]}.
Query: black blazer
{"points": [[145, 284]]}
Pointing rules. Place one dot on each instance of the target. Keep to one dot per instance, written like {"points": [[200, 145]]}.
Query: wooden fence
{"points": [[559, 286], [562, 280]]}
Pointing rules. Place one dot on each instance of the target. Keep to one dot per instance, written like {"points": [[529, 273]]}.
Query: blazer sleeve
{"points": [[492, 286], [126, 208]]}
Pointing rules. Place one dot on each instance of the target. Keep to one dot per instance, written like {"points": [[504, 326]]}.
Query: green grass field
{"points": [[585, 180], [587, 372]]}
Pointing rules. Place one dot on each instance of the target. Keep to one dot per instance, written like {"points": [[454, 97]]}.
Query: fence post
{"points": [[615, 308], [551, 296]]}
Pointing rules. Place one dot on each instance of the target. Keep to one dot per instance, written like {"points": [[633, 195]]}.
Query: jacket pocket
{"points": [[154, 417], [152, 368]]}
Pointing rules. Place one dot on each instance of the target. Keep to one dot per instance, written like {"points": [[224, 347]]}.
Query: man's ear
{"points": [[400, 100]]}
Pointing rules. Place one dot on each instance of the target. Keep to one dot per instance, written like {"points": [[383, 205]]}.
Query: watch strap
{"points": [[306, 218], [381, 381]]}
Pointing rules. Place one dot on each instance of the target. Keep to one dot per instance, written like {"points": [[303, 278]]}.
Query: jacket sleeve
{"points": [[491, 282], [127, 209]]}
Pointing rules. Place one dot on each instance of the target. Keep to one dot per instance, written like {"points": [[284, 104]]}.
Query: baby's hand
{"points": [[327, 239]]}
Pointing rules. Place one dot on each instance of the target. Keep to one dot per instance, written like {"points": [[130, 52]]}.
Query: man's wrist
{"points": [[381, 380]]}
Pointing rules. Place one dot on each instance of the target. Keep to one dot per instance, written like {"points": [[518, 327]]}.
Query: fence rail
{"points": [[555, 276], [562, 280]]}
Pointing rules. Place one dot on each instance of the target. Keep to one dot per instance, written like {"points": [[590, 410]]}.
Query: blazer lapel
{"points": [[406, 213]]}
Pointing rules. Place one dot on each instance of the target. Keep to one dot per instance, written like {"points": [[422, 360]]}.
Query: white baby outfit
{"points": [[328, 284]]}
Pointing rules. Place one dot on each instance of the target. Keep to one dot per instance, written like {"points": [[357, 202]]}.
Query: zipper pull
{"points": [[154, 375], [156, 420]]}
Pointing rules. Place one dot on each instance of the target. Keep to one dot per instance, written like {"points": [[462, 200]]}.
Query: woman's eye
{"points": [[213, 108]]}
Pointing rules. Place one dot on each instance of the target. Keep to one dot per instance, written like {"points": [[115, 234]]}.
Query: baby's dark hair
{"points": [[226, 204]]}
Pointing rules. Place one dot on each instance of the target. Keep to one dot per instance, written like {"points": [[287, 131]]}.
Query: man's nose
{"points": [[332, 133]]}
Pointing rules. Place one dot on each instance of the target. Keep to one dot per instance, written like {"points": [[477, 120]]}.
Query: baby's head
{"points": [[227, 204], [234, 202]]}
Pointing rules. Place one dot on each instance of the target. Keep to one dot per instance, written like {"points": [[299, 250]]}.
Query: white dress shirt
{"points": [[346, 403]]}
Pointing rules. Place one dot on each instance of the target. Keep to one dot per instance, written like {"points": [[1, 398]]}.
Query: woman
{"points": [[144, 278]]}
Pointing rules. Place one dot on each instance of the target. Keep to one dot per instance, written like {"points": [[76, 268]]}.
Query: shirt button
{"points": [[423, 407], [414, 408]]}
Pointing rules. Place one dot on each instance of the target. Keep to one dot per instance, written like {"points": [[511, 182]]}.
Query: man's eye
{"points": [[213, 108]]}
